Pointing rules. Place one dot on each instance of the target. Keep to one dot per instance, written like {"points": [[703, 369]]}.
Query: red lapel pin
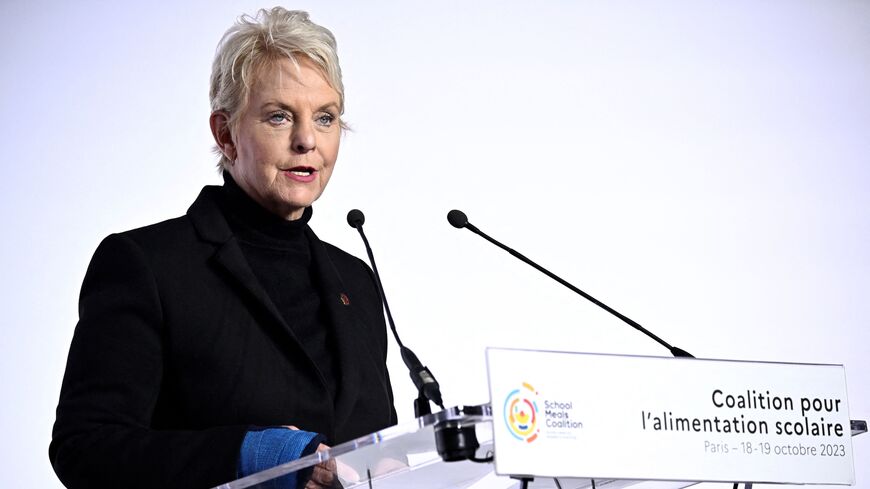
{"points": [[344, 299]]}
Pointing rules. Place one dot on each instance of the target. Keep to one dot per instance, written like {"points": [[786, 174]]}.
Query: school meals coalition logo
{"points": [[521, 413], [528, 416]]}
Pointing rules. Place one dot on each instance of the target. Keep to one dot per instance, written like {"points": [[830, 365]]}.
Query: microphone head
{"points": [[356, 218], [457, 219]]}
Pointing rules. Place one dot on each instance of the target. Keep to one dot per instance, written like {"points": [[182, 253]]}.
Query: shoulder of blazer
{"points": [[202, 223]]}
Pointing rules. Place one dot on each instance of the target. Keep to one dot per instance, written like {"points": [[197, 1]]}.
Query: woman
{"points": [[203, 338]]}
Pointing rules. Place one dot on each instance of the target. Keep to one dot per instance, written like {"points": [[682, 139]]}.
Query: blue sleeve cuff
{"points": [[270, 447]]}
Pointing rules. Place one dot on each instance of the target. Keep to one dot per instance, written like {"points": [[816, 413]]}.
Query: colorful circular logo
{"points": [[521, 413]]}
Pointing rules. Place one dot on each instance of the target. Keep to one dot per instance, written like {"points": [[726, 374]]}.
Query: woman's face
{"points": [[286, 140]]}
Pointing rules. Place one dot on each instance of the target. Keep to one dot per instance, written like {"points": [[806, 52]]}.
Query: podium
{"points": [[456, 447], [407, 456]]}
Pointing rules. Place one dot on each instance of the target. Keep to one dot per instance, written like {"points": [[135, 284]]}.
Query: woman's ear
{"points": [[219, 121]]}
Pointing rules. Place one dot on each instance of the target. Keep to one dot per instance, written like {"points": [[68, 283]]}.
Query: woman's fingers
{"points": [[324, 475]]}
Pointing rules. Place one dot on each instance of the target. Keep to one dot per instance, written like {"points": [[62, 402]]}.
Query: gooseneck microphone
{"points": [[427, 387], [459, 220]]}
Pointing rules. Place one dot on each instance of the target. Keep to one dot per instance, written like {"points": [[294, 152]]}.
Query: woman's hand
{"points": [[324, 475]]}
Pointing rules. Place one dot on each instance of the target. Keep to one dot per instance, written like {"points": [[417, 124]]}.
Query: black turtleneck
{"points": [[279, 253]]}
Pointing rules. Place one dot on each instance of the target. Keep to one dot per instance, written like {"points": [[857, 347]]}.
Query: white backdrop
{"points": [[701, 166]]}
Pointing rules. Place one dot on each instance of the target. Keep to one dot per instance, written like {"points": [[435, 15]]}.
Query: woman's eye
{"points": [[326, 119], [278, 118]]}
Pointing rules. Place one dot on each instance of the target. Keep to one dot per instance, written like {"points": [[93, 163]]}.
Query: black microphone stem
{"points": [[380, 287], [427, 386], [677, 352]]}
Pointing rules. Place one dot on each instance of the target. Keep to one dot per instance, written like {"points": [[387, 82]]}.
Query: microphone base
{"points": [[454, 442]]}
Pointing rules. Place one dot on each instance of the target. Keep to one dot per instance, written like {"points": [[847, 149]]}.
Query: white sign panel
{"points": [[650, 418]]}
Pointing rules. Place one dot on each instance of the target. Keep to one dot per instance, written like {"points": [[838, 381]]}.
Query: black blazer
{"points": [[179, 351]]}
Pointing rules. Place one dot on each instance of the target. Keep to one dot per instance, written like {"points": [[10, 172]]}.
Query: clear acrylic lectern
{"points": [[409, 455]]}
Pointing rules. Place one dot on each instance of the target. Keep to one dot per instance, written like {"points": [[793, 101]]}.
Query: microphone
{"points": [[427, 387], [456, 218], [459, 220], [356, 218]]}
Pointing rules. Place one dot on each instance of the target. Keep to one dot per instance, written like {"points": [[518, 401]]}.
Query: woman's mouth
{"points": [[302, 174]]}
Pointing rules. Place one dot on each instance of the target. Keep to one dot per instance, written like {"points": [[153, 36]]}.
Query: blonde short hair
{"points": [[254, 42]]}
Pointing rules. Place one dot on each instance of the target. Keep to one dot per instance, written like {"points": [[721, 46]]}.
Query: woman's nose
{"points": [[304, 139]]}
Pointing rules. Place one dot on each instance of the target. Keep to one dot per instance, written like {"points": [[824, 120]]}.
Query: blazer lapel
{"points": [[229, 256], [210, 224], [345, 321]]}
